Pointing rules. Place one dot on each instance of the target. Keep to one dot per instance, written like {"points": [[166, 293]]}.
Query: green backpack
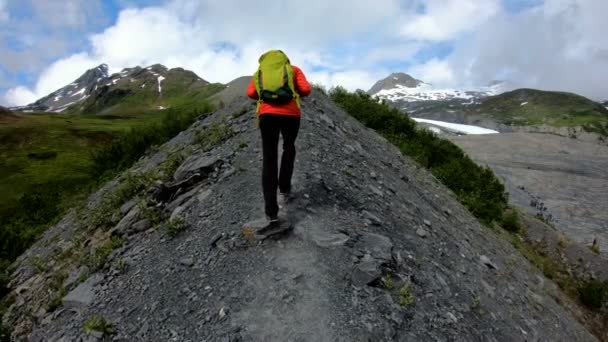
{"points": [[274, 79]]}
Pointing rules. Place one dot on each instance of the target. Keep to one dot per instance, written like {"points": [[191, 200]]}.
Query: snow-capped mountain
{"points": [[74, 92], [407, 92], [96, 89]]}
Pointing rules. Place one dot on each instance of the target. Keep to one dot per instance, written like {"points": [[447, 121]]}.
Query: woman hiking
{"points": [[277, 86]]}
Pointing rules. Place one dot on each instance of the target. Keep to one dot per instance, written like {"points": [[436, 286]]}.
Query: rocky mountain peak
{"points": [[393, 80], [96, 89], [379, 249]]}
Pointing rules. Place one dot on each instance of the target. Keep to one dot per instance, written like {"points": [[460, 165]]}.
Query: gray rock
{"points": [[198, 163], [427, 223], [378, 246], [203, 195], [366, 272], [140, 226], [373, 218], [127, 206], [123, 226], [421, 232], [486, 261], [84, 294], [97, 334], [376, 191], [74, 276], [189, 261], [323, 239]]}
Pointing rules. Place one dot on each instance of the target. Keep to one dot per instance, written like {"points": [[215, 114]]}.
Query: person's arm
{"points": [[301, 84], [251, 92]]}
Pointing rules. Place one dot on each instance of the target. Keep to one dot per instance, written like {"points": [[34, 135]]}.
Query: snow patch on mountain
{"points": [[160, 79], [459, 128], [80, 92], [426, 92]]}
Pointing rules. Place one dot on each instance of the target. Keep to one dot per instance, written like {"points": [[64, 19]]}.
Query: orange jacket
{"points": [[290, 108]]}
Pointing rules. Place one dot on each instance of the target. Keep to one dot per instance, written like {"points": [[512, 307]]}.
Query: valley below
{"points": [[564, 180]]}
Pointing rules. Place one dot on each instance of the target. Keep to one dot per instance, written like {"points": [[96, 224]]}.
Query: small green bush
{"points": [[593, 293], [510, 221], [174, 227], [405, 295], [214, 135], [98, 323], [99, 257]]}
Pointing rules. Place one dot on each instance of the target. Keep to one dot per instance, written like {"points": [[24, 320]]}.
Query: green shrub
{"points": [[124, 151], [214, 135], [319, 87], [593, 293], [510, 221], [475, 186], [405, 295], [98, 323], [99, 257], [174, 227]]}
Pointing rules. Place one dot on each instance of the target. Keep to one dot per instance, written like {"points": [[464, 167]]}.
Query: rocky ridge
{"points": [[381, 251]]}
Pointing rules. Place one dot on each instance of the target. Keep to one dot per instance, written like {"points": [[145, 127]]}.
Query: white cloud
{"points": [[446, 19], [187, 33], [54, 77], [351, 80], [19, 96], [436, 72], [559, 44]]}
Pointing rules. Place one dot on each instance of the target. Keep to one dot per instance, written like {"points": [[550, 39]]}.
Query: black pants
{"points": [[271, 125]]}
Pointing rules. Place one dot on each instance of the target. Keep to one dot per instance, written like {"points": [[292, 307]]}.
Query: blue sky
{"points": [[47, 44]]}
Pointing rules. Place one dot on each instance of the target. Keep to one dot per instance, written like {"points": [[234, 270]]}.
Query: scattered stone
{"points": [[140, 226], [223, 312], [84, 294], [123, 226], [188, 261], [376, 191], [486, 261], [421, 232], [447, 212], [373, 175], [125, 208], [74, 276], [427, 223], [373, 218], [203, 195], [97, 334], [197, 163], [323, 239], [378, 246], [366, 272]]}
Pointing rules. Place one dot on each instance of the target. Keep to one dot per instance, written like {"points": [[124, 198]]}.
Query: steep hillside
{"points": [[133, 89], [380, 250], [526, 107]]}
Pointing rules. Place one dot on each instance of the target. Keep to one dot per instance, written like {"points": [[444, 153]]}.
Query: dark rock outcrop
{"points": [[393, 80]]}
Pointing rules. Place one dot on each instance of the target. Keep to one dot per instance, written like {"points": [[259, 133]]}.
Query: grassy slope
{"points": [[71, 137], [558, 109]]}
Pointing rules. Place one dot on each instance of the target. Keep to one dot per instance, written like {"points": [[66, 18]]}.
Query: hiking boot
{"points": [[275, 228], [283, 199], [272, 219]]}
